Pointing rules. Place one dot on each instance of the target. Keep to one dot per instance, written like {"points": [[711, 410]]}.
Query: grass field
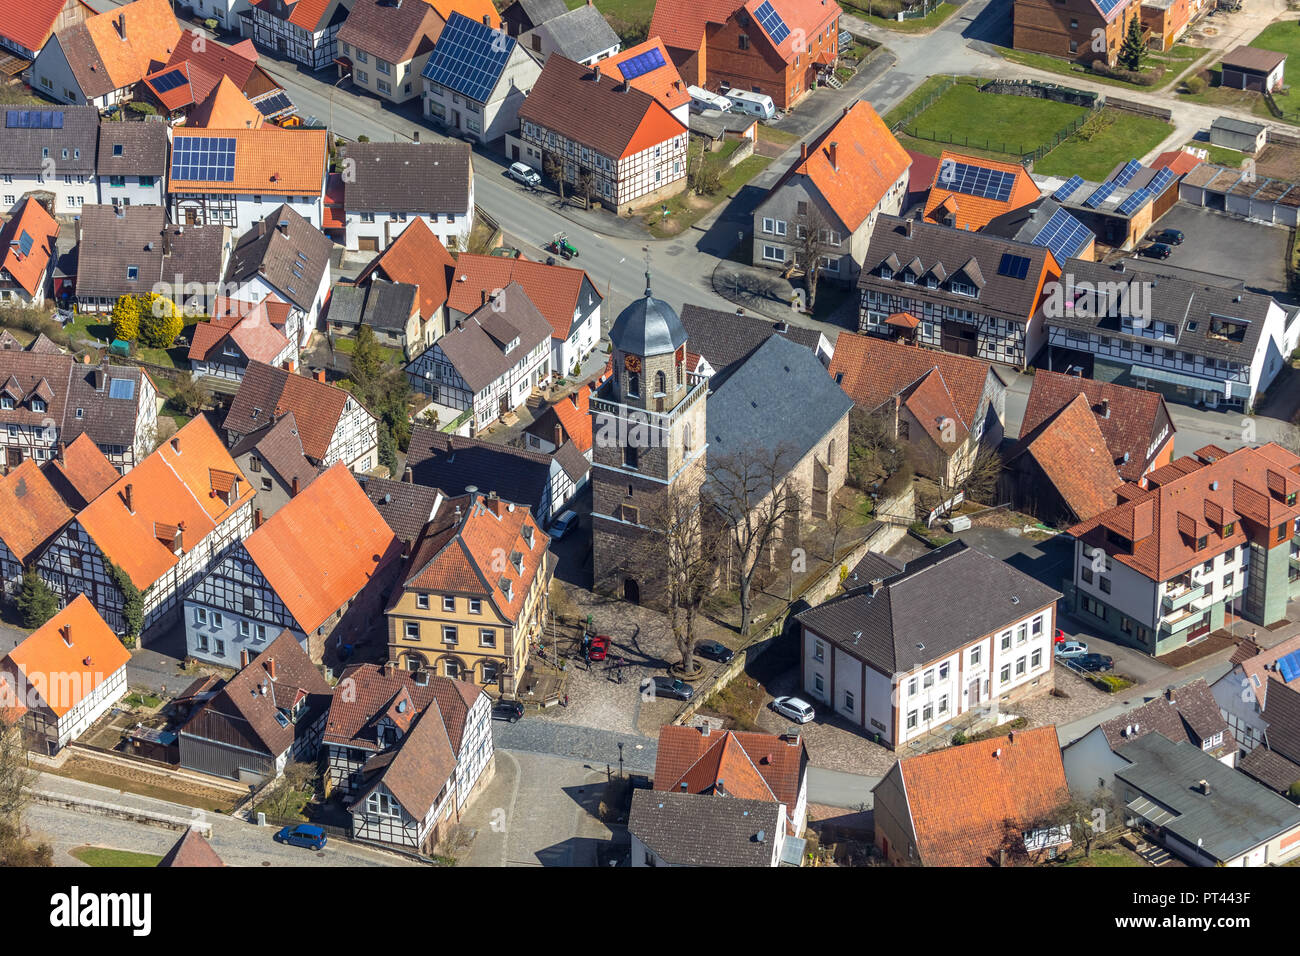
{"points": [[1220, 154], [102, 856], [685, 210], [1011, 125], [1284, 38], [928, 22], [1109, 138], [1112, 857]]}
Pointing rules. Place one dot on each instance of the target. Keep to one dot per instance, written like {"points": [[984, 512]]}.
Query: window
{"points": [[1022, 633], [261, 633], [422, 602], [448, 603], [133, 272], [1005, 674], [818, 684], [412, 632], [266, 484], [219, 647], [1104, 583], [245, 629], [848, 700], [943, 671], [363, 57], [1036, 659], [774, 227], [773, 254], [911, 687], [200, 615], [217, 619], [203, 642], [487, 637], [1006, 641], [927, 713], [384, 86], [1038, 626], [819, 651], [943, 704], [911, 719], [449, 634], [1086, 574], [452, 669], [475, 606], [1020, 666], [928, 681], [744, 42], [975, 654], [38, 405], [254, 464]]}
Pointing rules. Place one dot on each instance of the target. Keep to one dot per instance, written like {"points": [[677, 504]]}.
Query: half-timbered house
{"points": [[31, 513]]}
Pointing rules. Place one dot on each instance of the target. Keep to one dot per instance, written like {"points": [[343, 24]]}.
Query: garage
{"points": [[368, 244]]}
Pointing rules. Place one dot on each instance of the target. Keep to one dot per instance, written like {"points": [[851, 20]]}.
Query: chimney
{"points": [[320, 375], [293, 487], [721, 787], [130, 505], [908, 227], [176, 444], [408, 475], [997, 754], [178, 543], [243, 658], [704, 729], [1203, 786], [121, 24], [487, 20], [1169, 693], [482, 297], [559, 434], [1103, 409], [257, 519], [761, 836], [65, 632], [1011, 738], [270, 667], [803, 150], [63, 447], [846, 111], [596, 70], [834, 155]]}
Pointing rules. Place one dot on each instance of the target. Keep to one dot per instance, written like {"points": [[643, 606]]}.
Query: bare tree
{"points": [[977, 477], [751, 492], [873, 447], [553, 166], [812, 232], [586, 185], [15, 776]]}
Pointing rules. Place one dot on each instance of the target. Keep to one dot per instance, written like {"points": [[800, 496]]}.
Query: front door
{"points": [[973, 693], [631, 591], [13, 458]]}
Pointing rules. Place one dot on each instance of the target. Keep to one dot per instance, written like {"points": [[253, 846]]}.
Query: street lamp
{"points": [[620, 760], [334, 86]]}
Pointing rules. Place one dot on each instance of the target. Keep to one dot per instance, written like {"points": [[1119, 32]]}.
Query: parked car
{"points": [[525, 174], [1067, 649], [563, 525], [1095, 662], [597, 647], [1158, 250], [670, 687], [800, 711], [1060, 636], [303, 834], [1170, 237], [714, 651], [507, 710]]}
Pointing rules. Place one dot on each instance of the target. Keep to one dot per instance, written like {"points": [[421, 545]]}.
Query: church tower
{"points": [[649, 440]]}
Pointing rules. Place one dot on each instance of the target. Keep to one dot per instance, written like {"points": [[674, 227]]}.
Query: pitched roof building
{"points": [[417, 257], [224, 345], [580, 34], [647, 67], [719, 340], [304, 29], [191, 850], [80, 472], [32, 512], [198, 67], [27, 254], [399, 36], [393, 184], [405, 506], [28, 26], [961, 195], [286, 255], [273, 457], [688, 829]]}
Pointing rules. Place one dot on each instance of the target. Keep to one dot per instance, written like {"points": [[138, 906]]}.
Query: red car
{"points": [[598, 648], [1060, 635]]}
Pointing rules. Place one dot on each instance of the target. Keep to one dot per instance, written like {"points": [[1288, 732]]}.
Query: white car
{"points": [[800, 711], [524, 174], [563, 524], [1068, 649]]}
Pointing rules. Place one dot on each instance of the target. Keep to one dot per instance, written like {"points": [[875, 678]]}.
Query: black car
{"points": [[509, 710], [1095, 662], [1158, 250], [1170, 237], [714, 651], [669, 687]]}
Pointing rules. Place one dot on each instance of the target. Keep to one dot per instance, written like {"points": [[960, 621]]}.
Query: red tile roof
{"points": [[319, 550], [225, 108], [680, 23], [572, 412], [307, 14], [1073, 455], [976, 212], [1193, 498], [33, 222], [555, 290], [749, 766], [961, 799], [1178, 161], [30, 22], [809, 16], [932, 404], [253, 333], [417, 257], [205, 63], [48, 662], [1259, 668], [85, 469], [474, 9], [152, 35], [376, 687], [191, 850], [318, 406], [31, 511], [268, 160], [664, 83]]}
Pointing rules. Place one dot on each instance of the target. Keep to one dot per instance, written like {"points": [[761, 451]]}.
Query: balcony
{"points": [[1173, 623], [1181, 595]]}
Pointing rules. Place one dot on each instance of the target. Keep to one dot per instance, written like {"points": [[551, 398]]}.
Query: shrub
{"points": [[142, 109], [159, 322], [191, 397], [36, 601], [126, 318], [1194, 84], [1293, 792]]}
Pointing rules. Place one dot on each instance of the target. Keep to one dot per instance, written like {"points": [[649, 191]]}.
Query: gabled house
{"points": [[849, 175], [32, 139], [741, 765], [223, 346], [317, 569], [687, 829], [405, 506], [568, 419], [489, 364], [1045, 222], [160, 528], [520, 16], [237, 177], [989, 803], [965, 292], [565, 295], [80, 472], [581, 34], [99, 60], [483, 102], [898, 657], [1079, 30], [946, 407], [28, 252], [274, 460], [332, 425], [777, 47], [48, 399], [199, 66], [1212, 533], [417, 257], [32, 512], [543, 483], [1242, 693], [473, 596], [28, 26], [648, 68], [131, 166], [384, 45], [300, 30], [225, 108], [63, 677], [969, 192], [634, 157], [407, 750], [720, 341], [1186, 714], [1276, 762], [391, 310], [286, 256], [386, 186], [271, 712]]}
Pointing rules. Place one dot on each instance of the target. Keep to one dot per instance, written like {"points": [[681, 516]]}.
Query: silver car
{"points": [[800, 711], [524, 174]]}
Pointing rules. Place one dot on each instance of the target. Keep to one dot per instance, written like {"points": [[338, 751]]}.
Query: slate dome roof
{"points": [[648, 326]]}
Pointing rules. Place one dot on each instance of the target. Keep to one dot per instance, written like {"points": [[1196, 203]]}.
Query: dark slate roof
{"points": [[648, 326], [405, 506], [953, 249], [539, 11], [347, 303], [107, 420], [196, 253], [382, 305], [1282, 717], [580, 32], [452, 463], [695, 829], [572, 460], [1177, 301], [279, 447], [21, 149], [273, 252], [1270, 768], [1235, 816], [781, 397], [724, 338], [113, 238], [1187, 713], [476, 348], [1233, 125], [917, 606], [143, 149], [873, 567], [426, 178]]}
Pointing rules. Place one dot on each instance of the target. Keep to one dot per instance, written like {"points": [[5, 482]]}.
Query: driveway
{"points": [[1222, 245]]}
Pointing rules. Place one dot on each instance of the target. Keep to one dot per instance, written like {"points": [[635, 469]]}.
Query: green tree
{"points": [[367, 358], [160, 321], [383, 389], [126, 318], [1133, 52], [132, 603], [36, 601]]}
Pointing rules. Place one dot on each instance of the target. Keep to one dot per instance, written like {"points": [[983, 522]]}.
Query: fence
{"points": [[918, 12], [1141, 109], [948, 83], [1042, 91]]}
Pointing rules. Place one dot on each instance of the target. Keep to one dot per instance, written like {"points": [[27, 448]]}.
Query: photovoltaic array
{"points": [[1135, 202], [34, 119], [273, 104], [1099, 195], [1067, 188], [25, 242], [1125, 175], [1013, 266], [1160, 180], [169, 81], [1064, 235], [771, 22], [204, 158], [469, 57], [642, 63], [976, 180]]}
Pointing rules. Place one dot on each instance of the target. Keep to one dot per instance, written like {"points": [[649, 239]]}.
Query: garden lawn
{"points": [[684, 211], [1284, 37], [928, 22], [1220, 155], [102, 856], [1012, 125], [1120, 136]]}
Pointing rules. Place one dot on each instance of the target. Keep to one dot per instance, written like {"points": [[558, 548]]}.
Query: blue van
{"points": [[303, 834]]}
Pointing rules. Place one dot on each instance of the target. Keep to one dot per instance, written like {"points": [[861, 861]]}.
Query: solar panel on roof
{"points": [[204, 158], [1064, 235], [1289, 666], [121, 388], [1068, 187], [273, 104], [1125, 175], [169, 81], [642, 63], [469, 57], [1013, 266], [1099, 195], [25, 242], [1160, 181], [34, 119], [976, 180], [1133, 203], [771, 22], [1106, 6]]}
